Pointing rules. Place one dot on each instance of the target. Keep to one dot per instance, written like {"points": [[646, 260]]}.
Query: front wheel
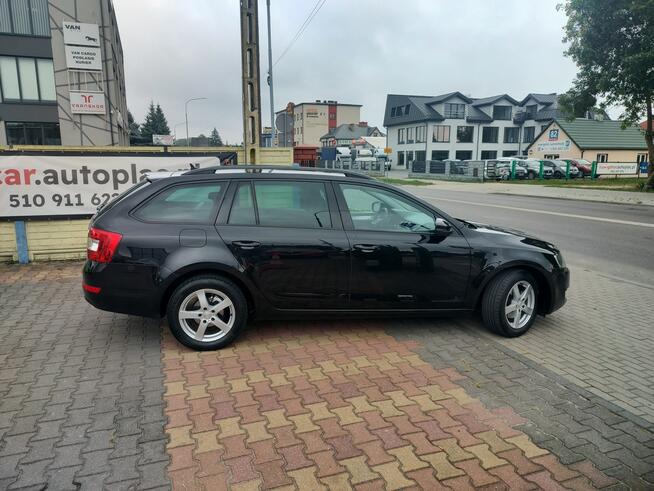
{"points": [[207, 312], [510, 303]]}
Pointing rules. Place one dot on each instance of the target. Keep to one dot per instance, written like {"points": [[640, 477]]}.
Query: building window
{"points": [[421, 134], [400, 159], [32, 133], [406, 109], [440, 154], [455, 111], [25, 17], [551, 156], [410, 134], [441, 133], [489, 134], [463, 155], [392, 112], [502, 112], [511, 135], [421, 155], [409, 157], [532, 109], [400, 135], [465, 134], [27, 79], [641, 157], [509, 153], [528, 134], [602, 157], [488, 154]]}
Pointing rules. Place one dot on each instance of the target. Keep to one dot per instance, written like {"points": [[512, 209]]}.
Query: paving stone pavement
{"points": [[81, 391], [94, 400]]}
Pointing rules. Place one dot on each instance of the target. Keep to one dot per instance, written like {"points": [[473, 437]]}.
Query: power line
{"points": [[314, 11]]}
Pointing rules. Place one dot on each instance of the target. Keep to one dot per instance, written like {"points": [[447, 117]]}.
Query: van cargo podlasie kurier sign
{"points": [[83, 58], [42, 185]]}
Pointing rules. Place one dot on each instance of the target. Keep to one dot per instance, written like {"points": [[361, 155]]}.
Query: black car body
{"points": [[287, 261]]}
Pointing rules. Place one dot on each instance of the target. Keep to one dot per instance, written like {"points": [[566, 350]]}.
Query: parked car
{"points": [[503, 167], [533, 169], [584, 166], [559, 169], [212, 248]]}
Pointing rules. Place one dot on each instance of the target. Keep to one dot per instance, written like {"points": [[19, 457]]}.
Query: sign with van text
{"points": [[81, 34]]}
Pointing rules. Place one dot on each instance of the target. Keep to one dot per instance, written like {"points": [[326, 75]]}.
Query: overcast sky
{"points": [[353, 52]]}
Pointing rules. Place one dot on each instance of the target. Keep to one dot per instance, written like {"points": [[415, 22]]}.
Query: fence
{"points": [[469, 170], [366, 165]]}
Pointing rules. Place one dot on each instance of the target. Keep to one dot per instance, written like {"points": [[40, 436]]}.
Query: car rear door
{"points": [[288, 238], [403, 255]]}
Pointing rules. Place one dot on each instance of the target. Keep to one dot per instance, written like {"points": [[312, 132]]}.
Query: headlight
{"points": [[558, 257]]}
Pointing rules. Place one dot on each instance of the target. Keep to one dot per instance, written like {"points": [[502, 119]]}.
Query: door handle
{"points": [[366, 247], [246, 244]]}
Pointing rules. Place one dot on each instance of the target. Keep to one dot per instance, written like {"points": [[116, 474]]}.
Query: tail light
{"points": [[101, 245]]}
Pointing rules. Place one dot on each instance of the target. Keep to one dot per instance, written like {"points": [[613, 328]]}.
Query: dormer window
{"points": [[455, 111], [502, 113], [532, 109]]}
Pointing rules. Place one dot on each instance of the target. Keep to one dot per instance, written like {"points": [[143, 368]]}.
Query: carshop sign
{"points": [[37, 185]]}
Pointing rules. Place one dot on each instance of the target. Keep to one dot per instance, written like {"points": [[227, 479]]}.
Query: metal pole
{"points": [[186, 115], [270, 79]]}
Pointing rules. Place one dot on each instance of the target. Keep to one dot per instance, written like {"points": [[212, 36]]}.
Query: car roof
{"points": [[259, 171]]}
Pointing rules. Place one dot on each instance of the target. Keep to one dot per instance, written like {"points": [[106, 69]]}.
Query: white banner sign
{"points": [[36, 185], [81, 34], [87, 103], [615, 168], [163, 139], [80, 58], [554, 146]]}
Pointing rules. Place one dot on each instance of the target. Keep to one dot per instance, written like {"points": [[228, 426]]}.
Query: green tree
{"points": [[214, 138], [134, 128], [613, 46], [155, 122]]}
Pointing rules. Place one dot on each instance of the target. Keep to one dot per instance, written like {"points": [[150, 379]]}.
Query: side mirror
{"points": [[442, 226]]}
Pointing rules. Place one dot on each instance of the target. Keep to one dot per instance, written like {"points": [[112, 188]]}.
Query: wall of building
{"points": [[347, 115], [590, 154], [90, 129]]}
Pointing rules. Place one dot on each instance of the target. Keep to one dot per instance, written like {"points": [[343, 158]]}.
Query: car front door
{"points": [[288, 238], [403, 255]]}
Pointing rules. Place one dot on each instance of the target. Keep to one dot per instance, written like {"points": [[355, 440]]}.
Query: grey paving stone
{"points": [[63, 383]]}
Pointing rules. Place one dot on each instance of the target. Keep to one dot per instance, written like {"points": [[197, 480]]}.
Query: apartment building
{"points": [[61, 74], [456, 126], [305, 123]]}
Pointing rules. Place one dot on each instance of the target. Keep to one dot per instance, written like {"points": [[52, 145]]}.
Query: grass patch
{"points": [[406, 182], [610, 184]]}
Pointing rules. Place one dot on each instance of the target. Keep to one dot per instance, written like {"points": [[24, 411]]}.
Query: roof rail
{"points": [[284, 168]]}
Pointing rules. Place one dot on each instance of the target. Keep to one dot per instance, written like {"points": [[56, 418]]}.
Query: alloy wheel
{"points": [[519, 305], [206, 315]]}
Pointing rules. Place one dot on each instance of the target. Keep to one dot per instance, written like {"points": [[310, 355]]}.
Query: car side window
{"points": [[242, 212], [185, 203], [297, 204], [376, 209]]}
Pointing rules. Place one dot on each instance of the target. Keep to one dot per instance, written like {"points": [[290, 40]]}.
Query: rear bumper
{"points": [[119, 291]]}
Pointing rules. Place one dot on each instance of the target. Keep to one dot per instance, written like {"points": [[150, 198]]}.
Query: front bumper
{"points": [[560, 283]]}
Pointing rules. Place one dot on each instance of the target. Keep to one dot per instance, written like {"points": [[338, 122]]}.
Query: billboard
{"points": [[81, 34], [83, 58], [47, 185], [617, 168], [163, 139], [87, 102]]}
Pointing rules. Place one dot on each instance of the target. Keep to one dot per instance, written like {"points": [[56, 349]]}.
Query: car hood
{"points": [[509, 235]]}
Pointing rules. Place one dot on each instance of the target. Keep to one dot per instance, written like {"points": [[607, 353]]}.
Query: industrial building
{"points": [[61, 74]]}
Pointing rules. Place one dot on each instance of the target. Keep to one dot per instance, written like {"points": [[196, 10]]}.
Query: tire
{"points": [[558, 175], [496, 297], [220, 326], [531, 175]]}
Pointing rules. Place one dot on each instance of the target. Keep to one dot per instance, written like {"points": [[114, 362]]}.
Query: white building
{"points": [[454, 126]]}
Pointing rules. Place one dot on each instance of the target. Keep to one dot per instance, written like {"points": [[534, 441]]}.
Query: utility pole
{"points": [[270, 79], [251, 80]]}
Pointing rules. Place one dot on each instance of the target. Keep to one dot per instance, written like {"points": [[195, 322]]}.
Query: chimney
{"points": [[363, 124]]}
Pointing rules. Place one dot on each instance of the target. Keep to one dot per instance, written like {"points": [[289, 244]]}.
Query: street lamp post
{"points": [[186, 115], [175, 129]]}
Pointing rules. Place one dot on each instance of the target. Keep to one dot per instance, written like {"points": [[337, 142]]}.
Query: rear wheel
{"points": [[510, 303], [207, 312]]}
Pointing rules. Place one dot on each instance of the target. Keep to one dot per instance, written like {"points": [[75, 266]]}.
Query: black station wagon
{"points": [[211, 248]]}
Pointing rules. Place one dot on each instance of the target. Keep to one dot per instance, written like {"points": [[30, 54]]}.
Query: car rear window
{"points": [[184, 203]]}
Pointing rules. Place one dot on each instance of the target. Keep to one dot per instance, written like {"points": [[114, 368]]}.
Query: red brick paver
{"points": [[337, 406]]}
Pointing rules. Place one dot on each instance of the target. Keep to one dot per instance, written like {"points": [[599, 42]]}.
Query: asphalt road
{"points": [[613, 240]]}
